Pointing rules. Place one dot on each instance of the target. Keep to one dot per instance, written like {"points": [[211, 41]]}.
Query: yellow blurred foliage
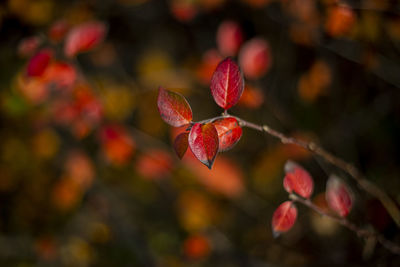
{"points": [[38, 12], [46, 143], [118, 101], [77, 252], [195, 211]]}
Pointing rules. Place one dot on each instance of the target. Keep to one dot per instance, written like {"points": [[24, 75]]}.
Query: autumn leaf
{"points": [[227, 84], [173, 108], [203, 141], [181, 144], [229, 132], [298, 180], [284, 218], [39, 62], [338, 196], [255, 58], [84, 37], [229, 38]]}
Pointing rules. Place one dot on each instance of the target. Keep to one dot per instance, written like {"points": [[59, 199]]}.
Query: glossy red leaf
{"points": [[203, 141], [227, 84], [298, 180], [39, 62], [255, 58], [284, 218], [181, 144], [229, 38], [173, 108], [339, 196], [229, 132], [84, 37]]}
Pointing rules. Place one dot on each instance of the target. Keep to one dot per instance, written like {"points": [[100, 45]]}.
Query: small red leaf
{"points": [[298, 180], [39, 62], [29, 45], [229, 132], [284, 218], [181, 144], [255, 58], [338, 196], [84, 37], [173, 108], [203, 141], [58, 30], [227, 84], [229, 38]]}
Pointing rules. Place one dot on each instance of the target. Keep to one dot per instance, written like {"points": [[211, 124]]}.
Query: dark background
{"points": [[182, 214]]}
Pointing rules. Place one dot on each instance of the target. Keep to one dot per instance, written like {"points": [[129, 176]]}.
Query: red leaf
{"points": [[298, 180], [173, 108], [229, 38], [181, 144], [338, 196], [29, 45], [229, 132], [203, 141], [60, 74], [227, 84], [58, 30], [284, 218], [84, 37], [255, 58], [39, 62]]}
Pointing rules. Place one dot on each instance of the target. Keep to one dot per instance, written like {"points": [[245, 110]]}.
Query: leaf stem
{"points": [[389, 245], [363, 183]]}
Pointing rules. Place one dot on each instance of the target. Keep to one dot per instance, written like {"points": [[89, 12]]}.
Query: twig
{"points": [[392, 247], [366, 185]]}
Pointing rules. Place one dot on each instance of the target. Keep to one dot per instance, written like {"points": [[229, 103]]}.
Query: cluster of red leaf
{"points": [[205, 139], [298, 181], [51, 76], [254, 55]]}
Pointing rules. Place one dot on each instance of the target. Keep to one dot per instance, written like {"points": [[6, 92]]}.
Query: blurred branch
{"points": [[366, 185], [389, 245]]}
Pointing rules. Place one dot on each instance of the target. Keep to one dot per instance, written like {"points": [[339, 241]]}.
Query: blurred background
{"points": [[88, 176]]}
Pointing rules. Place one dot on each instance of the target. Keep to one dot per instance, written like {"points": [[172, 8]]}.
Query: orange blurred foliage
{"points": [[340, 20], [196, 247], [154, 164]]}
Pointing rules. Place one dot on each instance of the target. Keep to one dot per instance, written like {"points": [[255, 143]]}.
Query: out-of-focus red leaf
{"points": [[340, 20], [79, 167], [181, 144], [118, 146], [227, 84], [154, 164], [84, 37], [298, 180], [33, 89], [58, 30], [203, 141], [173, 108], [338, 196], [252, 97], [229, 132], [226, 176], [29, 45], [183, 10], [61, 74], [196, 247], [210, 61], [39, 62], [255, 58], [284, 218], [229, 38]]}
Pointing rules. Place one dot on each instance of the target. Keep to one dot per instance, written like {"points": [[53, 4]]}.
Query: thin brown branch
{"points": [[366, 185], [389, 245]]}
